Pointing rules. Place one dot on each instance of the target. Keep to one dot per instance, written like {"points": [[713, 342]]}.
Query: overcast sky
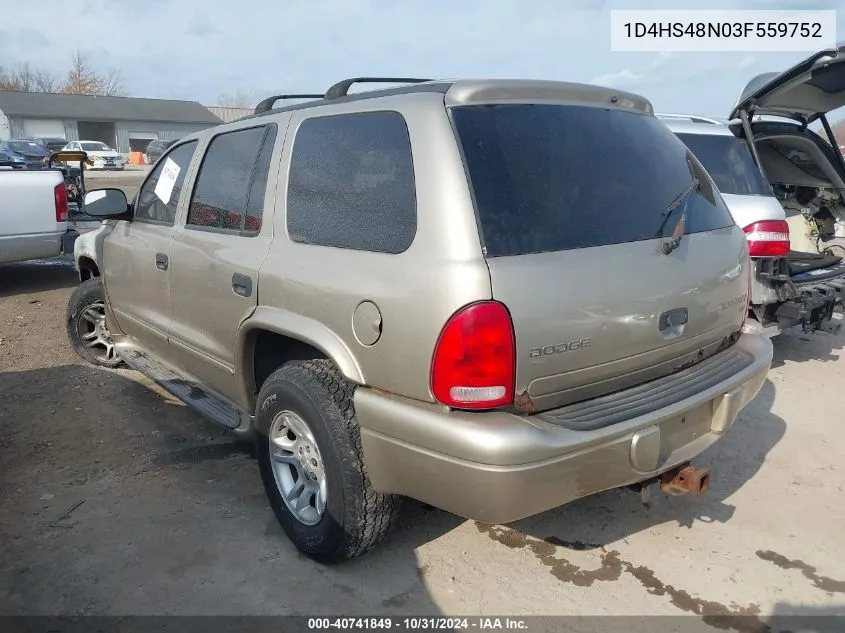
{"points": [[188, 49]]}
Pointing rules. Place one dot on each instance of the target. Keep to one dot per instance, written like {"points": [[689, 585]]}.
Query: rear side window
{"points": [[729, 162], [159, 195], [351, 183], [229, 192], [553, 177]]}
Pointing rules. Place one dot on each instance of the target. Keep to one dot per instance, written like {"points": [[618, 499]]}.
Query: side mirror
{"points": [[106, 204]]}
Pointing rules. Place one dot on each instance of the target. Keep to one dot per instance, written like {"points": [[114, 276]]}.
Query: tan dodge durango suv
{"points": [[493, 296]]}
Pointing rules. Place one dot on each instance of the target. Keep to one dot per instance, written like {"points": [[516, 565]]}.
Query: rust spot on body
{"points": [[524, 403]]}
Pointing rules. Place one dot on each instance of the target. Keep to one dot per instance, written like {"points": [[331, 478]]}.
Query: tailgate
{"points": [[575, 205], [27, 202], [592, 321]]}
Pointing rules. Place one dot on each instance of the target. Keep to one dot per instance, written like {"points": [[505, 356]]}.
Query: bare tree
{"points": [[83, 79], [236, 99], [8, 79], [113, 83], [45, 82], [25, 78]]}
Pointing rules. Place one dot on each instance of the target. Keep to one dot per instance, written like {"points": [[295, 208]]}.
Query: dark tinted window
{"points": [[551, 177], [159, 196], [232, 179], [255, 202], [351, 183], [26, 147], [729, 162]]}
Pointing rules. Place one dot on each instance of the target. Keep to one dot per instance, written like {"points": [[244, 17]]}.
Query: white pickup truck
{"points": [[33, 215]]}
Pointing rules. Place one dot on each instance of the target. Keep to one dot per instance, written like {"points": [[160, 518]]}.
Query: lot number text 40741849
{"points": [[417, 623]]}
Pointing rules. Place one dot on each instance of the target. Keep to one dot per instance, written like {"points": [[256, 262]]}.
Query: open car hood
{"points": [[805, 92]]}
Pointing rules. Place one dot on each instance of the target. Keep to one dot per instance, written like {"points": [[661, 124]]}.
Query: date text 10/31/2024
{"points": [[417, 623]]}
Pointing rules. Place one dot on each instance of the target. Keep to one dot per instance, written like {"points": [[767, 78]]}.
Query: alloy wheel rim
{"points": [[298, 467], [93, 332]]}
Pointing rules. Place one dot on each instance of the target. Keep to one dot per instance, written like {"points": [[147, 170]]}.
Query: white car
{"points": [[104, 157]]}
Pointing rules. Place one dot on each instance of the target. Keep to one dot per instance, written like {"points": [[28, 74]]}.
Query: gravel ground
{"points": [[117, 499]]}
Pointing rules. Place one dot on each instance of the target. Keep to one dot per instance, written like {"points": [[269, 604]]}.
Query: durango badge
{"points": [[560, 348]]}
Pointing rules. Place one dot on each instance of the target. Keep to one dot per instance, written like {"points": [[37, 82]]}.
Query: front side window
{"points": [[158, 198], [351, 183], [232, 180]]}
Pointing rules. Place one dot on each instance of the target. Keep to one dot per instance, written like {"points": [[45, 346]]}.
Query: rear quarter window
{"points": [[554, 177], [351, 183]]}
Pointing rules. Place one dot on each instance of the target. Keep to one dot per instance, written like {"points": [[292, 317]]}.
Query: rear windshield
{"points": [[729, 162], [553, 177], [95, 147], [24, 146]]}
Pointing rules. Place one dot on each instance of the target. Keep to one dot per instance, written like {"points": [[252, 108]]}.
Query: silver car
{"points": [[786, 189]]}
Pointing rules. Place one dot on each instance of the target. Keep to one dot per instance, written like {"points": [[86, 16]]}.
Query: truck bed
{"points": [[29, 225]]}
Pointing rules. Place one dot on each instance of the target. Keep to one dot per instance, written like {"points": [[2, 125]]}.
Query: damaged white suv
{"points": [[786, 189]]}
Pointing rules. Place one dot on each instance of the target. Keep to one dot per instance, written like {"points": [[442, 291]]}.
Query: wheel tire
{"points": [[356, 516], [88, 295]]}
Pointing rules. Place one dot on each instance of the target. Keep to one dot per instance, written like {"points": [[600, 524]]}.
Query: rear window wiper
{"points": [[678, 233]]}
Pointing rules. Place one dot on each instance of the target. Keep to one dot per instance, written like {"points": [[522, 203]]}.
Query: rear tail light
{"points": [[768, 238], [473, 364], [60, 197]]}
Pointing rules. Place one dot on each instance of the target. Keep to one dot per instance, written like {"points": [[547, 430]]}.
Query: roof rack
{"points": [[269, 102], [691, 117], [341, 88]]}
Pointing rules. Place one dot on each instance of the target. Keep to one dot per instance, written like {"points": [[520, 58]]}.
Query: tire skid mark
{"points": [[743, 619]]}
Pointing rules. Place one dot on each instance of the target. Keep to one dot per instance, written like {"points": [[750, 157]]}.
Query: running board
{"points": [[209, 405]]}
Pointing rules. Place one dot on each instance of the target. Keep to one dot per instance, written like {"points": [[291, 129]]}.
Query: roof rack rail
{"points": [[691, 117], [269, 102], [341, 88]]}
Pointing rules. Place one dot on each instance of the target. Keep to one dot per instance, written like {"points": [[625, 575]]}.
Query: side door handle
{"points": [[242, 285], [161, 261]]}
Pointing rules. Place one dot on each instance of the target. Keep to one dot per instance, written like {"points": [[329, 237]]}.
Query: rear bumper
{"points": [[806, 301], [813, 308], [498, 467], [19, 248]]}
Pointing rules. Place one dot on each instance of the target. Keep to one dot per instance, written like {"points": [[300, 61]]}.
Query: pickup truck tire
{"points": [[85, 323], [356, 517]]}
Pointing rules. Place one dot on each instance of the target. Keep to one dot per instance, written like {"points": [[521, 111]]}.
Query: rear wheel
{"points": [[86, 324], [309, 455]]}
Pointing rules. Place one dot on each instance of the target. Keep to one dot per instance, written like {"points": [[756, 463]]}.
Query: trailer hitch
{"points": [[685, 479]]}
